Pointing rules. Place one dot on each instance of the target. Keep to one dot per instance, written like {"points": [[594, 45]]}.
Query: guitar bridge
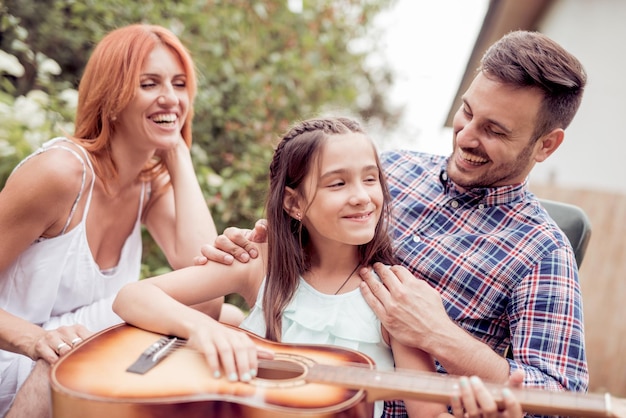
{"points": [[154, 354]]}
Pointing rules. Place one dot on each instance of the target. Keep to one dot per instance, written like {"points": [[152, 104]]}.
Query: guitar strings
{"points": [[289, 363], [298, 363]]}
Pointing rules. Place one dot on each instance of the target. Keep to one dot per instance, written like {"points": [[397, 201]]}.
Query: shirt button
{"points": [[481, 206], [444, 176], [416, 238], [454, 204]]}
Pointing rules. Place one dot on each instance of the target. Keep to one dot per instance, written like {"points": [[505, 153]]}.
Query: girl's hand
{"points": [[228, 351]]}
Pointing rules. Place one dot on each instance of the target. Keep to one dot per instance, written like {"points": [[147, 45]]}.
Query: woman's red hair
{"points": [[109, 83]]}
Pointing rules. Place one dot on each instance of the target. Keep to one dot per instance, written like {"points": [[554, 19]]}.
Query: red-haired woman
{"points": [[71, 213]]}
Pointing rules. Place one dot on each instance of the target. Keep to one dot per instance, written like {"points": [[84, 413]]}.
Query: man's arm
{"points": [[547, 331], [544, 307]]}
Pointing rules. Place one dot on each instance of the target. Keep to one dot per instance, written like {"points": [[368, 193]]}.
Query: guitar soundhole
{"points": [[279, 372]]}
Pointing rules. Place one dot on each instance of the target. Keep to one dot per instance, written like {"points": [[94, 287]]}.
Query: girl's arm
{"points": [[178, 217], [161, 304], [471, 399], [415, 359]]}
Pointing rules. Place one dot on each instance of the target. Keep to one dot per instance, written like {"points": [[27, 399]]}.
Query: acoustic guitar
{"points": [[127, 372]]}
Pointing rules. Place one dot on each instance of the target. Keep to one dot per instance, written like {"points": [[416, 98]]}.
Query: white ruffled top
{"points": [[343, 320]]}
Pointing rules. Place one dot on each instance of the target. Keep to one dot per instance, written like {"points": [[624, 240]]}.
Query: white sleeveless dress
{"points": [[343, 320], [56, 281]]}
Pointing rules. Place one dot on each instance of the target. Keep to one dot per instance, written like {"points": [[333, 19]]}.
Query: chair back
{"points": [[574, 223]]}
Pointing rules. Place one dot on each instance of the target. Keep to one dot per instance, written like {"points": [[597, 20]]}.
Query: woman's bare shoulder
{"points": [[53, 172], [44, 188]]}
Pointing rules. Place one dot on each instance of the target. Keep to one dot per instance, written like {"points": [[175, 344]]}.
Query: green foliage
{"points": [[261, 67]]}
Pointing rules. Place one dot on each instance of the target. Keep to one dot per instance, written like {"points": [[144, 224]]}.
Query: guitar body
{"points": [[92, 381]]}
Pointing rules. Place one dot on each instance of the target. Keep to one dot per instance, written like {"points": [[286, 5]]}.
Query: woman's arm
{"points": [[20, 336], [36, 201], [178, 218]]}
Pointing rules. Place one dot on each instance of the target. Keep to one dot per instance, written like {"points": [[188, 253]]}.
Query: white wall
{"points": [[594, 151], [429, 44]]}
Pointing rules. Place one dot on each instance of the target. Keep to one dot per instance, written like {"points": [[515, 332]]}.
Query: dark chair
{"points": [[574, 222]]}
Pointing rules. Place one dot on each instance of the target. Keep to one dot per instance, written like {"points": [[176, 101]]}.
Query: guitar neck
{"points": [[387, 385]]}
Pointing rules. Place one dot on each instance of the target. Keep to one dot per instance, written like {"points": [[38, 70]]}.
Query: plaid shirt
{"points": [[505, 271]]}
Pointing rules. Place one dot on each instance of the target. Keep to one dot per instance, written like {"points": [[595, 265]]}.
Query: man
{"points": [[495, 271]]}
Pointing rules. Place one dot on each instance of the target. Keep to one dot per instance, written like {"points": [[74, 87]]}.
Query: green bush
{"points": [[261, 67]]}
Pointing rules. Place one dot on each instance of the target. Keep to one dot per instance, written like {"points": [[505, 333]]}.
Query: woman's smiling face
{"points": [[159, 108]]}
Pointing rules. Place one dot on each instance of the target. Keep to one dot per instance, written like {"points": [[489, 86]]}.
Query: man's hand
{"points": [[409, 308], [234, 243], [412, 312], [516, 379]]}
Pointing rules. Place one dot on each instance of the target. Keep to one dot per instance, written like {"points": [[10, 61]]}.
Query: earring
{"points": [[299, 216]]}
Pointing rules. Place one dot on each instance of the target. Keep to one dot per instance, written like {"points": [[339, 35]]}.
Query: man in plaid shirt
{"points": [[494, 269]]}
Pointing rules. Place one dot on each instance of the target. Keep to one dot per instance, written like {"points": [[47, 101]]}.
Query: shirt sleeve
{"points": [[546, 320]]}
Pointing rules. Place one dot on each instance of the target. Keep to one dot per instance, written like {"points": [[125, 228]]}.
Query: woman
{"points": [[71, 213]]}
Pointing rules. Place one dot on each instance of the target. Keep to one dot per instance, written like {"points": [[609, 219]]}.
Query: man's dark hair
{"points": [[531, 59]]}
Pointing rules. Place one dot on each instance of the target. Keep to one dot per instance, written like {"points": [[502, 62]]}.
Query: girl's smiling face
{"points": [[343, 192]]}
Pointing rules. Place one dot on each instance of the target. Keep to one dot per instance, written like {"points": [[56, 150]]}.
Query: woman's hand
{"points": [[234, 243], [172, 155], [52, 344]]}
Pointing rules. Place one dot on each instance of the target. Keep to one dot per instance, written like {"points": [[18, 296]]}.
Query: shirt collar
{"points": [[487, 196]]}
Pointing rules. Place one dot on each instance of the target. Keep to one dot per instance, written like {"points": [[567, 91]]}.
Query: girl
{"points": [[327, 210]]}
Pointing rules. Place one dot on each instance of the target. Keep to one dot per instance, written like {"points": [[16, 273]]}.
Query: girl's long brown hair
{"points": [[288, 240], [109, 83]]}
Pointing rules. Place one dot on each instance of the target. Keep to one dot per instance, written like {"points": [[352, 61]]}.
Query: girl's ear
{"points": [[291, 204]]}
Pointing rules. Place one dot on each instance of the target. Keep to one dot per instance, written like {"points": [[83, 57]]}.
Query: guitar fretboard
{"points": [[438, 388]]}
